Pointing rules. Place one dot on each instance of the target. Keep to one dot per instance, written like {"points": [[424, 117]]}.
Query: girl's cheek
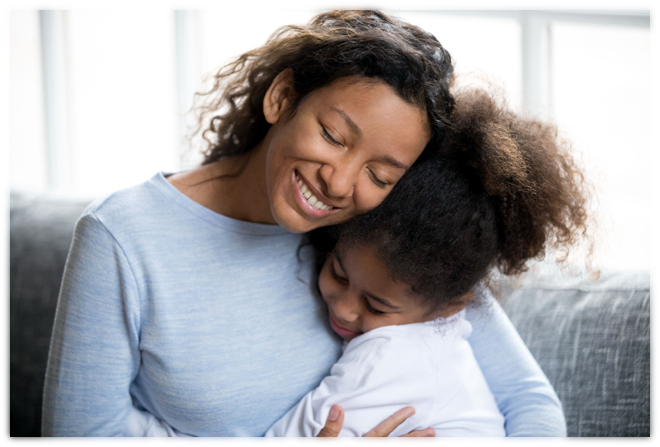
{"points": [[326, 284]]}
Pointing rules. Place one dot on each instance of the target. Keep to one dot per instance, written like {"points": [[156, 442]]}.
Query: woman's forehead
{"points": [[373, 113]]}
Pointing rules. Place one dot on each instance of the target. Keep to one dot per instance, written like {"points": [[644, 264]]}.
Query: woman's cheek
{"points": [[368, 197]]}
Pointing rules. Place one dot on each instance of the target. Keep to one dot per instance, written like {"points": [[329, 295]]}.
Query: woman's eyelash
{"points": [[376, 180], [372, 310], [327, 136], [329, 139]]}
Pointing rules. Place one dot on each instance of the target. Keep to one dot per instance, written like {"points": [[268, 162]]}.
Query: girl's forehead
{"points": [[367, 270]]}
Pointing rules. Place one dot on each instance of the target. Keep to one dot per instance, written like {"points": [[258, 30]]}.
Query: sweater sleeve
{"points": [[94, 352], [523, 393]]}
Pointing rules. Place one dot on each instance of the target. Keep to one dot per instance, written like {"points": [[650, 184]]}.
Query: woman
{"points": [[185, 297]]}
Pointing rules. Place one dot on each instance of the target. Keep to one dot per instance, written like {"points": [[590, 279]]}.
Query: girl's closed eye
{"points": [[336, 275], [372, 309], [380, 183]]}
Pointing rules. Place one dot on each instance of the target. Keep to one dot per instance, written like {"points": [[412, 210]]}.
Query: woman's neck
{"points": [[234, 187]]}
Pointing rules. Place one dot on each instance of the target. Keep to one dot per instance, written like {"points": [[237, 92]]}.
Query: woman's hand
{"points": [[336, 419]]}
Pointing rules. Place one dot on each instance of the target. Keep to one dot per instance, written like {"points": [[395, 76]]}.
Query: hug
{"points": [[321, 270]]}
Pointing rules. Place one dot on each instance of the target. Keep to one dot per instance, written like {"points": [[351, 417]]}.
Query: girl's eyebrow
{"points": [[382, 301]]}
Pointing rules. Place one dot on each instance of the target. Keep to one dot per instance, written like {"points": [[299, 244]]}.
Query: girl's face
{"points": [[361, 294], [340, 153]]}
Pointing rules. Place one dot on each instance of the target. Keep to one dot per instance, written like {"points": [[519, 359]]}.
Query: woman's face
{"points": [[340, 153]]}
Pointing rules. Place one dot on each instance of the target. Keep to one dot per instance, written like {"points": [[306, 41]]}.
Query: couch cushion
{"points": [[592, 340], [41, 229]]}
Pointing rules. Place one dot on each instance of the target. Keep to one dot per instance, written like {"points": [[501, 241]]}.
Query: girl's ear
{"points": [[279, 97]]}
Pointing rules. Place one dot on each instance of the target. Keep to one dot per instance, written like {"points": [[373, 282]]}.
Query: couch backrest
{"points": [[592, 340], [41, 229]]}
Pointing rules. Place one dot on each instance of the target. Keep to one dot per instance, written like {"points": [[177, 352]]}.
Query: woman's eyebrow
{"points": [[351, 124], [358, 132], [382, 301]]}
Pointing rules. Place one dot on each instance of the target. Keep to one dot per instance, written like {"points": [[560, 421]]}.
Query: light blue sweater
{"points": [[212, 325]]}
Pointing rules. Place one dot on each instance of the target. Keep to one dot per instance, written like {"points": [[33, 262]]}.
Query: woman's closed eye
{"points": [[329, 138]]}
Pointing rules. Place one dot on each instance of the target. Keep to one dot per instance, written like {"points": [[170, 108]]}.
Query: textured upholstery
{"points": [[591, 339], [593, 342], [41, 228]]}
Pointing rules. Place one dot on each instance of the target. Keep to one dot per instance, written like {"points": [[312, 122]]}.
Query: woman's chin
{"points": [[294, 222], [294, 219]]}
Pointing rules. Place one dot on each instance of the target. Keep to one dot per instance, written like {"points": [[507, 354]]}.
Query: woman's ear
{"points": [[279, 97]]}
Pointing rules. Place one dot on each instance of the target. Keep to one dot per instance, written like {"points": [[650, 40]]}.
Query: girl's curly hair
{"points": [[500, 191], [333, 45]]}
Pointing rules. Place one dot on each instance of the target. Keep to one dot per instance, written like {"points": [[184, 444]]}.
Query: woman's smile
{"points": [[310, 199]]}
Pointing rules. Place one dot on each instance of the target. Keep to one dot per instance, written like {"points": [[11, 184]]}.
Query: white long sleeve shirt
{"points": [[429, 366]]}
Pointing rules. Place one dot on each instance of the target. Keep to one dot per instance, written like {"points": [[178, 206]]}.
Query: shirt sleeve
{"points": [[371, 381], [523, 393], [94, 352]]}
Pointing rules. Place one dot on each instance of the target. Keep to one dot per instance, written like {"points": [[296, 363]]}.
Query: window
{"points": [[94, 110]]}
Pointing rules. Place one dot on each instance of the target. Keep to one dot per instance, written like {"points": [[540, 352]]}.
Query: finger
{"points": [[333, 423], [426, 433], [388, 425]]}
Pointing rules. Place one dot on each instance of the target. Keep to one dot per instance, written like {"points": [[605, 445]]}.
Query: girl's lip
{"points": [[310, 210], [340, 330]]}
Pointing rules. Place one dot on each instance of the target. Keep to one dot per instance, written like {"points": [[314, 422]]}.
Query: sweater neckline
{"points": [[227, 223]]}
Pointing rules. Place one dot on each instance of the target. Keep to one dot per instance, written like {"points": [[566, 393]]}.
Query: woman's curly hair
{"points": [[333, 45], [500, 191]]}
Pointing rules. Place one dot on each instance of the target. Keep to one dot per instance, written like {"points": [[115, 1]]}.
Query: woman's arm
{"points": [[523, 393], [94, 354]]}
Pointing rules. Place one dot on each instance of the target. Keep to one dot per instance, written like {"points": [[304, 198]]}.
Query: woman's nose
{"points": [[340, 176]]}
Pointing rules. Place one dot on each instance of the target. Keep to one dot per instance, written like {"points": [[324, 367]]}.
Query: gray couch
{"points": [[591, 339]]}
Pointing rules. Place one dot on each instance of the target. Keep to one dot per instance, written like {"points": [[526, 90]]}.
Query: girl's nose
{"points": [[345, 308], [340, 175]]}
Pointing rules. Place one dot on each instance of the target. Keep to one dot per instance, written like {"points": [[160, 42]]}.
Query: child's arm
{"points": [[523, 393], [144, 424], [307, 417], [379, 375]]}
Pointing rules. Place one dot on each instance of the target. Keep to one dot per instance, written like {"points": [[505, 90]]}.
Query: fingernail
{"points": [[334, 413]]}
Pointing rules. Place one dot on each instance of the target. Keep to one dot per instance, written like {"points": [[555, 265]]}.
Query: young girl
{"points": [[499, 193]]}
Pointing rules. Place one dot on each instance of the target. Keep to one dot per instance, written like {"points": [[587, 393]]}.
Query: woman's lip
{"points": [[315, 191], [340, 330], [310, 210]]}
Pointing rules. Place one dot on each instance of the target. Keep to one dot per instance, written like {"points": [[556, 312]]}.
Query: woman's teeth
{"points": [[311, 198]]}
